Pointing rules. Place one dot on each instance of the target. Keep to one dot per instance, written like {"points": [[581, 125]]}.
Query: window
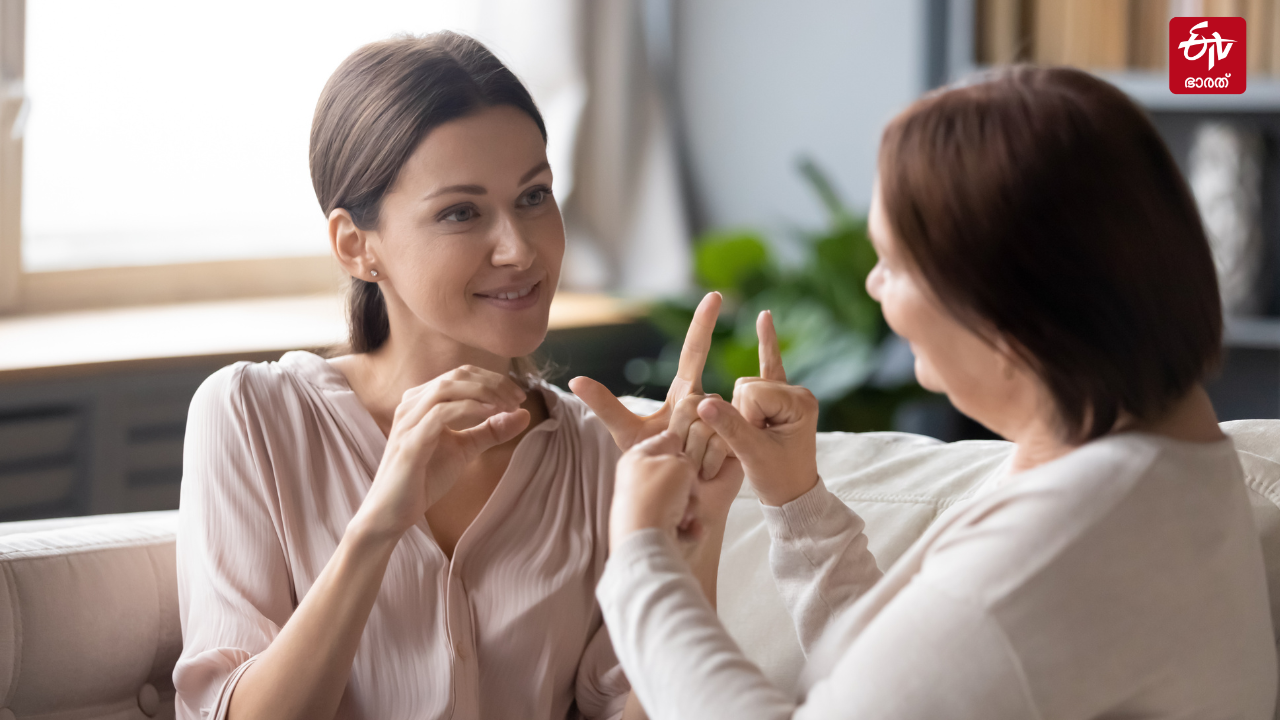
{"points": [[158, 150]]}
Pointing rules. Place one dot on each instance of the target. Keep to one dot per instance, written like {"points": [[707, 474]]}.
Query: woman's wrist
{"points": [[623, 526], [789, 490], [706, 561], [365, 534]]}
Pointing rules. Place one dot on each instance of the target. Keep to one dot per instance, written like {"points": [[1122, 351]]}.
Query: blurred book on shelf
{"points": [[1112, 35]]}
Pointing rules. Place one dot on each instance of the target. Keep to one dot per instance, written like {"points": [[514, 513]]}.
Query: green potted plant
{"points": [[833, 337]]}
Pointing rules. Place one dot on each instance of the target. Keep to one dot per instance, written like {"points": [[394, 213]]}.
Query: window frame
{"points": [[23, 292]]}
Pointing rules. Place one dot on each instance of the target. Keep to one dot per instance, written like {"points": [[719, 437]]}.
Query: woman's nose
{"points": [[874, 280], [512, 247]]}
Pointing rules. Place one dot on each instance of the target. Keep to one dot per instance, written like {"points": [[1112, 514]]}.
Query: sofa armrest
{"points": [[89, 617]]}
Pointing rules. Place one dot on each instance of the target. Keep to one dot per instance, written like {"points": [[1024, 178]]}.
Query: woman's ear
{"points": [[351, 247]]}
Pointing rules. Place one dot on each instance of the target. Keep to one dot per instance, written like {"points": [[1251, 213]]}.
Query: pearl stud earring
{"points": [[373, 273]]}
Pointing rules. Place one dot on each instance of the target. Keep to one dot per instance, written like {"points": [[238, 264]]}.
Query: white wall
{"points": [[762, 82]]}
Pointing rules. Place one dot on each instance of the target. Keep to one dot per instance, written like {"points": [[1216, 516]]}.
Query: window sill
{"points": [[56, 345]]}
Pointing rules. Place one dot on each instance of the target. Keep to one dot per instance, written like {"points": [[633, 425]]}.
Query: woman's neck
{"points": [[1190, 419], [1036, 443], [380, 378]]}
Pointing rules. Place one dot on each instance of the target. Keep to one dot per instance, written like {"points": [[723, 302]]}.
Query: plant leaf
{"points": [[731, 261]]}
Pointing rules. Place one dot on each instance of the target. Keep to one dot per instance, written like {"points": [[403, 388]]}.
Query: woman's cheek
{"points": [[906, 316], [891, 308]]}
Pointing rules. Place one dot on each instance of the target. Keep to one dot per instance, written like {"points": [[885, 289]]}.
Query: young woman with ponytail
{"points": [[414, 529]]}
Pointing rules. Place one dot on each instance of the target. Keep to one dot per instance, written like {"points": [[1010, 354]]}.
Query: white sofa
{"points": [[88, 608]]}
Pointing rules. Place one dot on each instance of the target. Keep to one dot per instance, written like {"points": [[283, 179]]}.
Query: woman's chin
{"points": [[926, 378], [514, 346]]}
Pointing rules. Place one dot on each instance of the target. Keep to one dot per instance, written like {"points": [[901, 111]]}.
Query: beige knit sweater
{"points": [[1122, 580]]}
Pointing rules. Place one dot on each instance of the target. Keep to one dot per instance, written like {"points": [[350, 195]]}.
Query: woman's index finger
{"points": [[697, 342], [770, 356]]}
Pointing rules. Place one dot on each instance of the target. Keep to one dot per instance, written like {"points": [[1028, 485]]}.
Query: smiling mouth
{"points": [[512, 294]]}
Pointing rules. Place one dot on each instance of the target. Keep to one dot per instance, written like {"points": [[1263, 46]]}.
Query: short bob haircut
{"points": [[1041, 207]]}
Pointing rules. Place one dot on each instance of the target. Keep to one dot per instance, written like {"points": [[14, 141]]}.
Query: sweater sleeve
{"points": [[234, 592], [926, 654], [819, 559]]}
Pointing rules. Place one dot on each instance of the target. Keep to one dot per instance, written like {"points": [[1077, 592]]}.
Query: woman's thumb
{"points": [[741, 436]]}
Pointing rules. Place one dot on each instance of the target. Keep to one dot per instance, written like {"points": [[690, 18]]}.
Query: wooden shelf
{"points": [[1255, 332], [58, 344], [1151, 90]]}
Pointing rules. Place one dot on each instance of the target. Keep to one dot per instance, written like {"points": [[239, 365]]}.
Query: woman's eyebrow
{"points": [[468, 189], [544, 165], [478, 190]]}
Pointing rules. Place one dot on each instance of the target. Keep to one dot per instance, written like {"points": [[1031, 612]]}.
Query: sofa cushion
{"points": [[1258, 442], [89, 617]]}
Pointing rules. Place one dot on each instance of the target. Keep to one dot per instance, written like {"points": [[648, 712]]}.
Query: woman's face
{"points": [[981, 380], [470, 238]]}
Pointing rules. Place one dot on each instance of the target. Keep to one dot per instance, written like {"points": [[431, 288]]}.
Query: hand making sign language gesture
{"points": [[771, 427], [680, 411], [676, 427]]}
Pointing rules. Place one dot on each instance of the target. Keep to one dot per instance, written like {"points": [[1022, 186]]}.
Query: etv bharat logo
{"points": [[1204, 57]]}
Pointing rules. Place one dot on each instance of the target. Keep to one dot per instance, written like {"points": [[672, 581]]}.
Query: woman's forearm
{"points": [[680, 661], [705, 565], [304, 671], [820, 559]]}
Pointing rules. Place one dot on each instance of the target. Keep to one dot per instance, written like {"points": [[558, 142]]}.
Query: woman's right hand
{"points": [[772, 427], [439, 427]]}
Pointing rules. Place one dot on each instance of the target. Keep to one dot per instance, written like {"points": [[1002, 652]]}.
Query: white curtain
{"points": [[610, 143]]}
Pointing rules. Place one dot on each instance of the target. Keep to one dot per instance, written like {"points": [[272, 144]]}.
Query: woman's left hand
{"points": [[658, 486], [655, 487]]}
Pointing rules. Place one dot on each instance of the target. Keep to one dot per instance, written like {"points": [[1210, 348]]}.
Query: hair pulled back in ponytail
{"points": [[376, 108]]}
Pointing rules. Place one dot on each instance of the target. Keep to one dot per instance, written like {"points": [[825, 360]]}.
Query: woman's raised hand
{"points": [[628, 428], [439, 427], [680, 411], [772, 427]]}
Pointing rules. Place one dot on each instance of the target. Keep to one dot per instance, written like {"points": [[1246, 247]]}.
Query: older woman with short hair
{"points": [[1043, 256]]}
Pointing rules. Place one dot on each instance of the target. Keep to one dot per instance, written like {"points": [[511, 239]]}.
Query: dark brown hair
{"points": [[377, 106], [1041, 205]]}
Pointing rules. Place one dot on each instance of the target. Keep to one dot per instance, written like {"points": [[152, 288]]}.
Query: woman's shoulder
{"points": [[248, 389], [1119, 502], [1115, 468]]}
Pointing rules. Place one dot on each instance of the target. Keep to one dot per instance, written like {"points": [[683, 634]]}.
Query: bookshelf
{"points": [[1126, 43], [1123, 41]]}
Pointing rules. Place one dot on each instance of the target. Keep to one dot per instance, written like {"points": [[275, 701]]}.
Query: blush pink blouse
{"points": [[278, 458]]}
